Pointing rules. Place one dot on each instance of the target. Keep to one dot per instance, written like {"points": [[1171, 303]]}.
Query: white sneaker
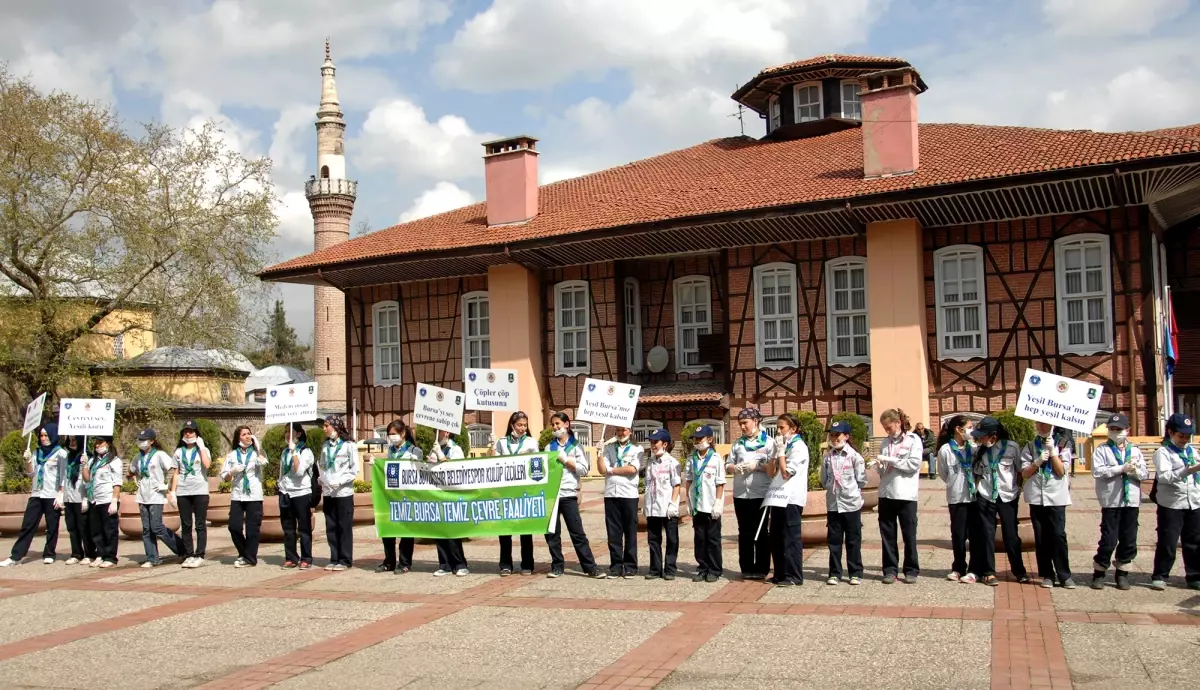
{"points": [[187, 563], [70, 561], [968, 579], [197, 561], [48, 561], [462, 572], [831, 581], [953, 576], [94, 564], [856, 581], [147, 564], [8, 563], [107, 564], [442, 573], [239, 562]]}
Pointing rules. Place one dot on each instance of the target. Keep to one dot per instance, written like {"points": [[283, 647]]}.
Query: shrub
{"points": [[275, 440], [813, 431], [545, 437], [361, 487], [858, 429], [129, 486], [425, 438], [12, 450], [1019, 429]]}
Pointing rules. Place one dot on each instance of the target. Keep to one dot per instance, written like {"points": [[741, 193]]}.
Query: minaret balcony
{"points": [[325, 186]]}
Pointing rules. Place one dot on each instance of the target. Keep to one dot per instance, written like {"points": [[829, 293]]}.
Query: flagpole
{"points": [[1170, 401]]}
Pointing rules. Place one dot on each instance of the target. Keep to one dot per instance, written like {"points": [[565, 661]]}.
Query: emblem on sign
{"points": [[440, 396], [612, 389], [87, 407], [512, 377], [67, 405], [1062, 386], [631, 392], [423, 392], [107, 406], [1035, 380], [471, 377], [458, 400], [491, 377], [393, 475], [591, 387], [311, 389], [273, 393], [1092, 394], [537, 468]]}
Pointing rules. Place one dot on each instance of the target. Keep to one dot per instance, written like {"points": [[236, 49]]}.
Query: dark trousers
{"points": [[1118, 530], [506, 559], [295, 516], [963, 516], [81, 546], [1173, 525], [450, 554], [655, 526], [245, 524], [786, 547], [983, 538], [339, 529], [847, 526], [35, 510], [568, 511], [390, 559], [620, 520], [193, 514], [754, 555], [103, 529], [154, 530], [707, 531], [1050, 541], [892, 511]]}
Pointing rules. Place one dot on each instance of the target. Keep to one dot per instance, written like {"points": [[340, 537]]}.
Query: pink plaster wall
{"points": [[889, 131], [511, 186], [514, 296]]}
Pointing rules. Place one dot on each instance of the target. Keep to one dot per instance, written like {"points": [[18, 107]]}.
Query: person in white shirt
{"points": [[747, 463], [620, 460], [1177, 493], [154, 471], [704, 482], [899, 468], [789, 473], [46, 466], [1044, 464], [337, 470], [516, 441], [295, 495], [1118, 467], [843, 474], [243, 468], [193, 458], [663, 479], [997, 495], [74, 505], [401, 446], [954, 460], [575, 467], [102, 478], [451, 559]]}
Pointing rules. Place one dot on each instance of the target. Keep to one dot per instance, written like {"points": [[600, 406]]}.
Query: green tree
{"points": [[279, 344]]}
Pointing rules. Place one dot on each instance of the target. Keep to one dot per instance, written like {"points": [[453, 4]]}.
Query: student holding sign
{"points": [[662, 505], [193, 459], [748, 464], [1177, 493], [1118, 467], [46, 466], [75, 504], [704, 478], [102, 478], [1044, 464], [899, 467], [954, 458], [401, 446], [243, 467], [998, 493], [338, 470], [620, 460], [575, 467], [154, 471], [843, 474], [516, 441], [789, 483], [295, 494], [451, 559]]}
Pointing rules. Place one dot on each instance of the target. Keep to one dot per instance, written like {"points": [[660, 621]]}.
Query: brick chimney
{"points": [[510, 171], [889, 122]]}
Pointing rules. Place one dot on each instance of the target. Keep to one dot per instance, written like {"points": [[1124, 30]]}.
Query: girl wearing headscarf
{"points": [[789, 470], [154, 471], [193, 459], [516, 441], [899, 467], [75, 504], [748, 464], [243, 467], [997, 493], [451, 558], [338, 469], [1177, 493], [1118, 467], [102, 479], [294, 491], [620, 460], [954, 465], [47, 468], [401, 446]]}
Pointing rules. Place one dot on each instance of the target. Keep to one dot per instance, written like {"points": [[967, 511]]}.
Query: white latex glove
{"points": [[112, 508], [609, 473], [747, 467], [58, 501], [200, 443], [292, 445], [83, 508], [718, 508], [672, 510], [370, 459], [171, 498], [1041, 458], [28, 454]]}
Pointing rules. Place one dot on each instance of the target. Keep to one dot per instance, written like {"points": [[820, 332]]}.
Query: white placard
{"points": [[291, 402], [608, 402], [1060, 401], [33, 415], [438, 408], [491, 389], [86, 416]]}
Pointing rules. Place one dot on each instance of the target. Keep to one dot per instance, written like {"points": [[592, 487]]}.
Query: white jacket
{"points": [[900, 467]]}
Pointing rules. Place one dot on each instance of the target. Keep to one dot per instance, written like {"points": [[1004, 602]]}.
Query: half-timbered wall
{"points": [[603, 321]]}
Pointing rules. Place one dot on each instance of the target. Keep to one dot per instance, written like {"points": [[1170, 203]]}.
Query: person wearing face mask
{"points": [[294, 492], [451, 559], [954, 458], [662, 505], [704, 482], [154, 471], [996, 496], [1118, 467], [620, 460], [401, 446], [1177, 493], [102, 489], [337, 471], [193, 459], [899, 467], [1044, 463], [843, 474], [575, 467], [47, 468], [788, 469], [516, 441], [75, 505], [747, 463], [243, 467]]}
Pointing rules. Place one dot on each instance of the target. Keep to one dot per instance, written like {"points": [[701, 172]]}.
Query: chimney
{"points": [[889, 122], [510, 173]]}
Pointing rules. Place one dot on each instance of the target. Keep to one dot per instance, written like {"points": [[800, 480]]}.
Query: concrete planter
{"points": [[814, 524], [12, 512], [218, 508], [272, 529], [364, 509], [131, 518], [684, 517]]}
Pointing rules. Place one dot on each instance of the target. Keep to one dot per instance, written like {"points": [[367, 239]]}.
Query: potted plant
{"points": [[16, 485], [814, 525], [273, 442], [1021, 431], [130, 521]]}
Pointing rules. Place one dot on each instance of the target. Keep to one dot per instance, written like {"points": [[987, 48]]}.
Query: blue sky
{"points": [[600, 82]]}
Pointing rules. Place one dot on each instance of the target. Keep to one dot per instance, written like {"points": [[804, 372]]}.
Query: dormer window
{"points": [[776, 114], [851, 103], [808, 102]]}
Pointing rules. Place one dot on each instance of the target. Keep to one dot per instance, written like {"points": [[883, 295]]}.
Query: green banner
{"points": [[477, 497]]}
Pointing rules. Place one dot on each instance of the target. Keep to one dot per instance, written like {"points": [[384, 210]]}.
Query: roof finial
{"points": [[326, 47]]}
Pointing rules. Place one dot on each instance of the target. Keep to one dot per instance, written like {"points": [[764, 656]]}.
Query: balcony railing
{"points": [[325, 185]]}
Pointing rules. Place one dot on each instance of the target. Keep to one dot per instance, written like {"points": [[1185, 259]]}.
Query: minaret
{"points": [[331, 200]]}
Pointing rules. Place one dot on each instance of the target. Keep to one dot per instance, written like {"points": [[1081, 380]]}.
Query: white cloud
{"points": [[1107, 18], [80, 71], [445, 196], [397, 135], [294, 133]]}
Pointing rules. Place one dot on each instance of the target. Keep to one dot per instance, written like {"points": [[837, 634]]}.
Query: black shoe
{"points": [[1123, 580], [402, 570], [653, 576], [889, 579], [598, 575], [783, 583], [711, 577], [909, 579], [555, 572], [1098, 580], [698, 577], [384, 567], [669, 576]]}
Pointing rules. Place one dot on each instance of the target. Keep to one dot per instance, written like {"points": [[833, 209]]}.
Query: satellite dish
{"points": [[656, 359]]}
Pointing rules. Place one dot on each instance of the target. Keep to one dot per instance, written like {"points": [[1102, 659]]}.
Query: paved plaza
{"points": [[220, 627]]}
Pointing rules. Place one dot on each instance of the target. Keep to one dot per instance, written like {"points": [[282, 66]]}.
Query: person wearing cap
{"points": [[575, 467], [663, 479], [451, 559], [843, 474], [516, 441], [337, 471], [620, 461], [997, 495], [747, 463], [1118, 467], [294, 493], [401, 446], [788, 471], [243, 468], [1177, 493], [154, 471], [899, 467], [46, 466], [1044, 463], [75, 504], [102, 479], [954, 465], [193, 458], [704, 482]]}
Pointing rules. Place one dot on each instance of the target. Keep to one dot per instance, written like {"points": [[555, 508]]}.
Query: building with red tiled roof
{"points": [[851, 260]]}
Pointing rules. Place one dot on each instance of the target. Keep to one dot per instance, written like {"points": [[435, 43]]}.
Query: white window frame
{"points": [[633, 326], [848, 264], [572, 286], [857, 99], [483, 361], [681, 286], [797, 105], [476, 430], [377, 311], [718, 428], [960, 251], [583, 433], [774, 113], [784, 270], [1061, 247], [642, 428], [770, 425]]}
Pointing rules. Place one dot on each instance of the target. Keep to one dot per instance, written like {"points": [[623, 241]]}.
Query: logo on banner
{"points": [[1062, 386], [1092, 393], [107, 406], [471, 377], [1035, 380], [423, 392], [591, 387], [87, 407], [67, 405], [491, 377], [612, 389], [440, 396], [537, 468], [273, 393], [311, 389], [393, 476], [631, 393]]}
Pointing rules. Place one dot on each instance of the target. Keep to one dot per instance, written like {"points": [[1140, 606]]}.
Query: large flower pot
{"points": [[814, 523], [684, 517], [131, 517], [272, 528], [218, 509], [12, 512], [364, 509]]}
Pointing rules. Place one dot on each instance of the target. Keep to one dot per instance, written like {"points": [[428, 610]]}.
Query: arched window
{"points": [[324, 172], [481, 435], [642, 428], [718, 428]]}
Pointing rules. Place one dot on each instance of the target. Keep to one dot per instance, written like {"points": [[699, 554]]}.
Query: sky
{"points": [[599, 82]]}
